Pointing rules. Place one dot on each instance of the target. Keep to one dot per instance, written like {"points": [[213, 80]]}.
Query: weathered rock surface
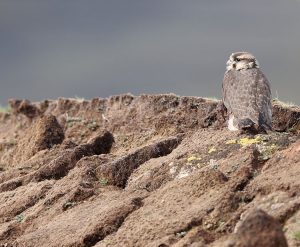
{"points": [[258, 229], [151, 170]]}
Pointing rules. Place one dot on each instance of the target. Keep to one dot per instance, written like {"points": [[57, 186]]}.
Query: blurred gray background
{"points": [[97, 48]]}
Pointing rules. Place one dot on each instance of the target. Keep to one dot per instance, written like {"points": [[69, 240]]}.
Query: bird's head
{"points": [[241, 60]]}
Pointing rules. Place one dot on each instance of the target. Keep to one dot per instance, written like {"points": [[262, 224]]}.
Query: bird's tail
{"points": [[245, 123], [249, 126]]}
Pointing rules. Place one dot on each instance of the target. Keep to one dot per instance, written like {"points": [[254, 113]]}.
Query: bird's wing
{"points": [[229, 90], [264, 100]]}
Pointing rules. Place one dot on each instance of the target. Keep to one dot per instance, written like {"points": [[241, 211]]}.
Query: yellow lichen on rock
{"points": [[192, 158], [245, 141], [232, 141], [248, 141]]}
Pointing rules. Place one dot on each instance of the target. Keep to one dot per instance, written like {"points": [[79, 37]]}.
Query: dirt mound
{"points": [[258, 229], [152, 170], [118, 172], [44, 133]]}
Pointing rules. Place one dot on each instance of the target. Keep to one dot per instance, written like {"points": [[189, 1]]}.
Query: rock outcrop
{"points": [[149, 170]]}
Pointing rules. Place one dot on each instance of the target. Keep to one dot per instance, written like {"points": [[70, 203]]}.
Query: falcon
{"points": [[246, 94]]}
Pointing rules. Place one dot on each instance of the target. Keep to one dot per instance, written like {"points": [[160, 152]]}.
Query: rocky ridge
{"points": [[149, 170]]}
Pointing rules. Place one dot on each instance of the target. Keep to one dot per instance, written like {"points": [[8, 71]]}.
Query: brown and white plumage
{"points": [[246, 93]]}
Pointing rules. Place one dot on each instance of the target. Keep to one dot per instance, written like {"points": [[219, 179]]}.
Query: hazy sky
{"points": [[96, 48]]}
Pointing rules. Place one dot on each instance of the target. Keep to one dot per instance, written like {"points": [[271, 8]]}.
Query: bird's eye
{"points": [[238, 59]]}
